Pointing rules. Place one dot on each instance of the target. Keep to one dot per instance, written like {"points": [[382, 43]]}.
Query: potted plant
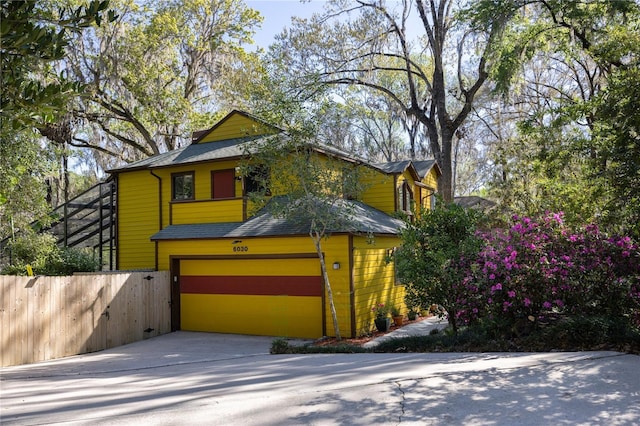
{"points": [[396, 315], [412, 315], [381, 320]]}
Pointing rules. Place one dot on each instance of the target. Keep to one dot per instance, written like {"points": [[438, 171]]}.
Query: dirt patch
{"points": [[359, 341]]}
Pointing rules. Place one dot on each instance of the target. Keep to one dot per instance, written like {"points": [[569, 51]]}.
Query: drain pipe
{"points": [[159, 199], [159, 212]]}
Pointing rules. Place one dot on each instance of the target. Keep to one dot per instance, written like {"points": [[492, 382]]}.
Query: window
{"points": [[182, 186], [223, 184], [350, 184], [257, 181], [405, 198]]}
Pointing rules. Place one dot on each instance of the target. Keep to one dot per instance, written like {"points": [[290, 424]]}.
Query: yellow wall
{"points": [[374, 279], [199, 212], [261, 315], [336, 249], [207, 211], [379, 192], [137, 219], [423, 195], [236, 126], [271, 315], [138, 209]]}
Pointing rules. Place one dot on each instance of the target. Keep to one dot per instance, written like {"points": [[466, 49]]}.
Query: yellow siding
{"points": [[137, 219], [249, 267], [336, 249], [236, 126], [431, 179], [207, 211], [374, 280], [197, 211], [263, 315], [138, 209], [379, 192]]}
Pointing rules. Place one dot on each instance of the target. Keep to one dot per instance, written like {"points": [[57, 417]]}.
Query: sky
{"points": [[277, 15]]}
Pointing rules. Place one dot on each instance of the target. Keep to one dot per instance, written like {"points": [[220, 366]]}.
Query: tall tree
{"points": [[356, 42], [156, 74], [33, 36], [565, 65]]}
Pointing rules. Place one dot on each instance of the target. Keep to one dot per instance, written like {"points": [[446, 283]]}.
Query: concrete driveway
{"points": [[212, 379]]}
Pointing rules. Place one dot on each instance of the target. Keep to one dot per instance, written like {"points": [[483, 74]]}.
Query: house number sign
{"points": [[239, 249]]}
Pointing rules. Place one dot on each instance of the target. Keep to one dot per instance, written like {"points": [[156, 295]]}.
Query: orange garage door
{"points": [[271, 297]]}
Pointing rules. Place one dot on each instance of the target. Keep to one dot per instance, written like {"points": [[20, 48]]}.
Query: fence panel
{"points": [[44, 318]]}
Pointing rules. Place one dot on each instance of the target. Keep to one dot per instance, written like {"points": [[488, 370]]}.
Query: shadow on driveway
{"points": [[202, 378]]}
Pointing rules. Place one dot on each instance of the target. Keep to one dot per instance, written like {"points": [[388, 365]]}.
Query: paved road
{"points": [[211, 379]]}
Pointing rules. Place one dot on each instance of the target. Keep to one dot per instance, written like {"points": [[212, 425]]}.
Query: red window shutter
{"points": [[223, 184]]}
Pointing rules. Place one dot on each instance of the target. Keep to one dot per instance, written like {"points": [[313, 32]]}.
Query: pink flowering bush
{"points": [[535, 270]]}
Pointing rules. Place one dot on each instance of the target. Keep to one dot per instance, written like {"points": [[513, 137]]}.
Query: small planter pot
{"points": [[383, 324], [398, 320]]}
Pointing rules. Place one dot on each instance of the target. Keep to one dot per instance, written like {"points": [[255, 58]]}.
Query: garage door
{"points": [[271, 297]]}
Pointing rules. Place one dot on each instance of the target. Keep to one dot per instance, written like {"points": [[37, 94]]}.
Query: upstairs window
{"points": [[405, 198], [223, 184], [182, 186], [350, 183], [258, 181]]}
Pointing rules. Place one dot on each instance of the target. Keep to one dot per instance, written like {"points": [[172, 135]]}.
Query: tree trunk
{"points": [[445, 183], [317, 241]]}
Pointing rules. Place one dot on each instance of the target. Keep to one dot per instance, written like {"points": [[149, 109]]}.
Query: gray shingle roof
{"points": [[195, 153], [422, 167], [393, 166], [364, 219], [474, 201]]}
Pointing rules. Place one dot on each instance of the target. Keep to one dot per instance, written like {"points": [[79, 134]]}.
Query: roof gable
{"points": [[423, 167], [419, 168], [235, 125], [399, 167]]}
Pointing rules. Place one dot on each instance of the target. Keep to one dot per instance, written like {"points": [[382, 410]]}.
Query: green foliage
{"points": [[575, 148], [158, 73], [437, 248], [282, 346], [23, 166], [618, 132], [45, 258], [32, 37], [548, 169], [567, 334], [279, 346]]}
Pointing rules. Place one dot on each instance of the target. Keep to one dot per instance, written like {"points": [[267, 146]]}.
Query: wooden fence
{"points": [[43, 318]]}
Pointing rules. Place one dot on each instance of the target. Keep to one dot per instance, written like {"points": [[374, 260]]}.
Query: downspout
{"points": [[352, 290], [116, 182], [159, 212], [395, 193]]}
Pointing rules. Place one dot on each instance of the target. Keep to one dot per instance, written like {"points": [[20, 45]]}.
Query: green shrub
{"points": [[279, 346], [45, 258], [438, 248]]}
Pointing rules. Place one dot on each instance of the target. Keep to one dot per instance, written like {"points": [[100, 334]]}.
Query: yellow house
{"points": [[232, 271]]}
